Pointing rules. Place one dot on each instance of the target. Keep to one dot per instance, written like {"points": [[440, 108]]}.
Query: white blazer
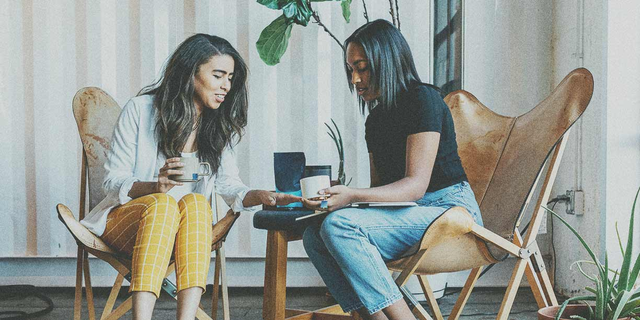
{"points": [[134, 157]]}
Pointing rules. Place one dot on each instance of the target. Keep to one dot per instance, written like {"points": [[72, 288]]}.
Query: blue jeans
{"points": [[350, 247]]}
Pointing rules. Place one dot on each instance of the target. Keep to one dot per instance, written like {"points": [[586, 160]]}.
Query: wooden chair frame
{"points": [[529, 259], [89, 243], [122, 265]]}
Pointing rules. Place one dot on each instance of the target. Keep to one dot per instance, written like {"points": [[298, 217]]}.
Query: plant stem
{"points": [[392, 12], [397, 14], [316, 17], [364, 5]]}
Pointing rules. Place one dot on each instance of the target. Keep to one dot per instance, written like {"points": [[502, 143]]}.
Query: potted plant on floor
{"points": [[614, 295]]}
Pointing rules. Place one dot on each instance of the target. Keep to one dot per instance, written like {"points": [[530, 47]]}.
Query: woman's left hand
{"points": [[269, 198], [338, 197]]}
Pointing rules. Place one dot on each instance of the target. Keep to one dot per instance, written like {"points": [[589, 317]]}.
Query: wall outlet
{"points": [[575, 204]]}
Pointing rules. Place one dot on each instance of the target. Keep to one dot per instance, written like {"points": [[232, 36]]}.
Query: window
{"points": [[447, 45]]}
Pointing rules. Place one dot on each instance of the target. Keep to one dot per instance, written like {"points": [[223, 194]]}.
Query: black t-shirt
{"points": [[419, 109]]}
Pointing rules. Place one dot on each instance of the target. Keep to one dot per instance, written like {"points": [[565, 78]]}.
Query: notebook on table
{"points": [[363, 205]]}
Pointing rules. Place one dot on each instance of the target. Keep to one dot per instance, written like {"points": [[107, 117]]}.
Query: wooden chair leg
{"points": [[88, 288], [465, 293], [77, 303], [224, 283], [537, 276], [108, 307], [431, 299], [547, 287], [410, 267], [201, 315], [512, 289], [121, 309], [275, 276], [216, 287]]}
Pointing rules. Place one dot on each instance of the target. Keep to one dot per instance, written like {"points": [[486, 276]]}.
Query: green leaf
{"points": [[274, 40], [622, 301], [630, 306], [275, 4], [298, 12], [346, 10], [619, 240], [566, 302], [611, 288], [339, 139], [579, 265], [627, 282]]}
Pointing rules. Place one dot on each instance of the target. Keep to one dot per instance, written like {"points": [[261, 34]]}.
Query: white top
{"points": [[177, 192], [134, 155]]}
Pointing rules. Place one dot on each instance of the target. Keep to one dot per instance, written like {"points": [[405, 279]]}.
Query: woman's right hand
{"points": [[170, 168]]}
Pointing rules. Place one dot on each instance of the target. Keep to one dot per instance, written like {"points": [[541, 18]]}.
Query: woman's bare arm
{"points": [[422, 149]]}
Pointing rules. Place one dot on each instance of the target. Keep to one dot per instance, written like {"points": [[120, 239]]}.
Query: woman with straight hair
{"points": [[198, 108], [413, 157]]}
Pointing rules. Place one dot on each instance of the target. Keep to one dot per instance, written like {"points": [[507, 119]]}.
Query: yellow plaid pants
{"points": [[153, 228]]}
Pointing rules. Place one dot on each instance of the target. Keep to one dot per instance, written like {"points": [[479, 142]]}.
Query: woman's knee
{"points": [[162, 204], [336, 224], [195, 200], [195, 205], [311, 239]]}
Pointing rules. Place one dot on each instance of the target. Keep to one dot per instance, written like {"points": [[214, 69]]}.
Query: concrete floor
{"points": [[246, 303]]}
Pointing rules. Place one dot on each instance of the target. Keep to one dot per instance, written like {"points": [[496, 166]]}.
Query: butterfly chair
{"points": [[504, 158], [96, 114]]}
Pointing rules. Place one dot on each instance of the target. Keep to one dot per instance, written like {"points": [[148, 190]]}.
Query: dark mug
{"points": [[317, 170]]}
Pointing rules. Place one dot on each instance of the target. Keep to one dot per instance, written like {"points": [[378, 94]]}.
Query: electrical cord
{"points": [[21, 292]]}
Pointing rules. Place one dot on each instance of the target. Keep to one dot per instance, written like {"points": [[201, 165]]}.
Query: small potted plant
{"points": [[614, 295], [337, 139]]}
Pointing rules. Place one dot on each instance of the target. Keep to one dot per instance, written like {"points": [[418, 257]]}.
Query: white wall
{"points": [[604, 160], [507, 53], [581, 40], [623, 123]]}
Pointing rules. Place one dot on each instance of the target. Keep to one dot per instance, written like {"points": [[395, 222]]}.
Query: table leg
{"points": [[275, 276]]}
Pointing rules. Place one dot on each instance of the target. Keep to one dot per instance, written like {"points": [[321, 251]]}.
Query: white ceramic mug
{"points": [[311, 185], [192, 170]]}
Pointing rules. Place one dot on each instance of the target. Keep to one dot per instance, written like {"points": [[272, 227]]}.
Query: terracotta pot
{"points": [[549, 313]]}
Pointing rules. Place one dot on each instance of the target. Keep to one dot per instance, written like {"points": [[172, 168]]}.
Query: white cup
{"points": [[192, 170], [311, 185]]}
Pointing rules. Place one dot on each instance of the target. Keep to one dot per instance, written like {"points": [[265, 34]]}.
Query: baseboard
{"points": [[241, 272]]}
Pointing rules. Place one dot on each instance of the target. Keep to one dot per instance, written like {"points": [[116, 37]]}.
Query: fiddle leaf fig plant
{"points": [[274, 39]]}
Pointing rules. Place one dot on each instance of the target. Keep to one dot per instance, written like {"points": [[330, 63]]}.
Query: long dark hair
{"points": [[176, 112], [391, 64]]}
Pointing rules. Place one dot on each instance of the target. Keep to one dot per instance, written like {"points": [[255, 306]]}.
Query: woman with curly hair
{"points": [[198, 108]]}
